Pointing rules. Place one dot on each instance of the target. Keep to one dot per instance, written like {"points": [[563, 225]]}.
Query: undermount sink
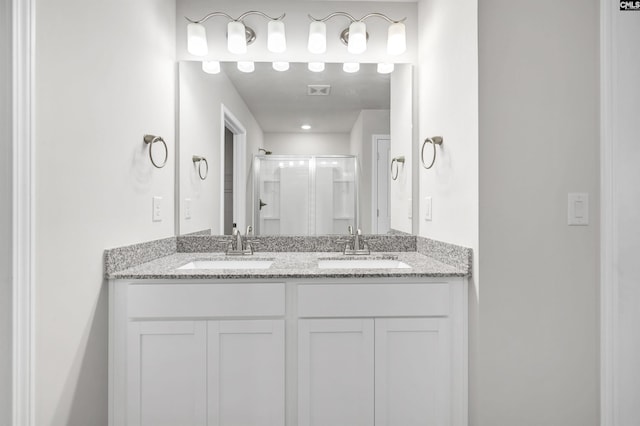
{"points": [[362, 264], [228, 264]]}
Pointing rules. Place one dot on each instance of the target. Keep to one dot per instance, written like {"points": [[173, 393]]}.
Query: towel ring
{"points": [[150, 140], [198, 159], [436, 140], [397, 161]]}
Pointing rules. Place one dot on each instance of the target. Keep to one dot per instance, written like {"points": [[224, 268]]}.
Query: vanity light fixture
{"points": [[246, 66], [306, 127], [211, 67], [316, 66], [280, 66], [355, 36], [238, 34], [351, 67], [385, 68]]}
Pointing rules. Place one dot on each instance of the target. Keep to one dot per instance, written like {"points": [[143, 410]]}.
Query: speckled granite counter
{"points": [[287, 265], [160, 259]]}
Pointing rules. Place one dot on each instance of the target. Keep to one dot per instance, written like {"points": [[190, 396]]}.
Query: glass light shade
{"points": [[385, 68], [211, 67], [317, 37], [351, 67], [276, 40], [236, 38], [280, 66], [246, 66], [316, 66], [197, 40], [357, 38], [397, 39]]}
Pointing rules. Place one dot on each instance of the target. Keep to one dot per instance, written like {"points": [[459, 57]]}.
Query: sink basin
{"points": [[228, 264], [362, 264]]}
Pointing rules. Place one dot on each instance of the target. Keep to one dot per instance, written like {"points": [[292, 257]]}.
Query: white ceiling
{"points": [[279, 100]]}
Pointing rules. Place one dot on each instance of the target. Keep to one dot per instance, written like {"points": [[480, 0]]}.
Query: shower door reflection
{"points": [[304, 195]]}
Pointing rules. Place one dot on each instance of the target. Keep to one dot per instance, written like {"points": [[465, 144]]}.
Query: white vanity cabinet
{"points": [[197, 354], [382, 353], [305, 352]]}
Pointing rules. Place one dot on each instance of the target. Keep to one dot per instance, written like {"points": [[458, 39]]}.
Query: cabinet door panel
{"points": [[335, 372], [246, 373], [166, 374], [411, 372]]}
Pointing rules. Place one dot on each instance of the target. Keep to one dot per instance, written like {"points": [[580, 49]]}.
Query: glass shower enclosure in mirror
{"points": [[304, 194]]}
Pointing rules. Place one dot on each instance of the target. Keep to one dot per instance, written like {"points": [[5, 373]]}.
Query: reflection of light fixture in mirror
{"points": [[211, 67], [280, 66], [355, 36], [306, 127], [351, 67], [197, 40], [385, 68], [238, 34], [246, 66], [316, 66]]}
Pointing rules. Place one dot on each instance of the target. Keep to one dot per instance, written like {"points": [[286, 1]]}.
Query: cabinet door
{"points": [[335, 372], [246, 373], [412, 380], [166, 373]]}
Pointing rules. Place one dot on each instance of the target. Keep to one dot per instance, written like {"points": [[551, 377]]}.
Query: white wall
{"points": [[307, 143], [5, 212], [448, 105], [201, 98], [369, 123], [625, 100], [538, 332], [402, 140], [297, 29], [105, 76]]}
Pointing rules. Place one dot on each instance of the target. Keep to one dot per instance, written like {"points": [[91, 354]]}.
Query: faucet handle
{"points": [[249, 230], [350, 229]]}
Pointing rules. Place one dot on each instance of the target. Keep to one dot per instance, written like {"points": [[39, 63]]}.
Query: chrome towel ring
{"points": [[396, 161], [200, 161], [150, 140], [436, 140]]}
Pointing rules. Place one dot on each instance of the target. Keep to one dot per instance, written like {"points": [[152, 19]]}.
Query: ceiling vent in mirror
{"points": [[318, 89]]}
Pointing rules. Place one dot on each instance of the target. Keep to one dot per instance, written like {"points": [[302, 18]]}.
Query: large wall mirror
{"points": [[292, 152]]}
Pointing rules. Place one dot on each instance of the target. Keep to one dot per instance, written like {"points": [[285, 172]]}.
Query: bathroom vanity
{"points": [[302, 341]]}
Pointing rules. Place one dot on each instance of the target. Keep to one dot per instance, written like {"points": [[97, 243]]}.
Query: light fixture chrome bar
{"points": [[239, 19], [352, 19]]}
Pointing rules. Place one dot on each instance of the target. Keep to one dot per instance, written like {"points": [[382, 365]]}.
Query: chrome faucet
{"points": [[238, 245], [357, 245]]}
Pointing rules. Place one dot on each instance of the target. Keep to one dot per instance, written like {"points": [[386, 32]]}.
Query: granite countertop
{"points": [[288, 265]]}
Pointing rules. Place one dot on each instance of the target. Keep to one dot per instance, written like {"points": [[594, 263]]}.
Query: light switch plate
{"points": [[157, 209], [187, 208], [578, 209], [427, 208]]}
